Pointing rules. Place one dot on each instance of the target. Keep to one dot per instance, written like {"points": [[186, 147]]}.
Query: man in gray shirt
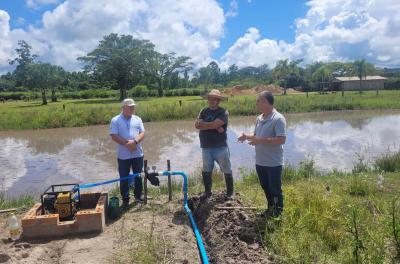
{"points": [[268, 138]]}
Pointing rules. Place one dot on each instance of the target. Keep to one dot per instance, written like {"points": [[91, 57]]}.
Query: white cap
{"points": [[128, 102]]}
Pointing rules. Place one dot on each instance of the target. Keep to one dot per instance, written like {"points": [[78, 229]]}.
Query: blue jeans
{"points": [[124, 168], [271, 182], [220, 155]]}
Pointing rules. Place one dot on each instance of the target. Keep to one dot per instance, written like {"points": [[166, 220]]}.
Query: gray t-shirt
{"points": [[272, 126]]}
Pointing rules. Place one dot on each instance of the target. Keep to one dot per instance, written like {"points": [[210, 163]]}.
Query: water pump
{"points": [[62, 199]]}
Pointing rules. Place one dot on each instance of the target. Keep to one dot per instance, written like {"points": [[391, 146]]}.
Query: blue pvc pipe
{"points": [[126, 178], [200, 244]]}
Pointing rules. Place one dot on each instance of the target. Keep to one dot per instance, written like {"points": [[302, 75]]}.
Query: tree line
{"points": [[121, 62]]}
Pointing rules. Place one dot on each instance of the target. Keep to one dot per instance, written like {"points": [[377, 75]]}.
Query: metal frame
{"points": [[75, 189]]}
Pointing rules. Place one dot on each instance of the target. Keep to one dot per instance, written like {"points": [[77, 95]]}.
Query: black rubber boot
{"points": [[207, 181], [229, 186]]}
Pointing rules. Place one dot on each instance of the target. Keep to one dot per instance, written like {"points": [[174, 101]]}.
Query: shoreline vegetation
{"points": [[24, 115], [339, 217]]}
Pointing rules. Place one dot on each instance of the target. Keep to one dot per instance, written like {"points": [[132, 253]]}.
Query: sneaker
{"points": [[229, 197], [267, 213], [139, 199], [204, 196], [125, 205]]}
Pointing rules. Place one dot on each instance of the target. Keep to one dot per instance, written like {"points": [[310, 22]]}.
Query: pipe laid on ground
{"points": [[200, 244]]}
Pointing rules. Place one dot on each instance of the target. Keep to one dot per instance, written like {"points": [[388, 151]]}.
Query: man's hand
{"points": [[220, 130], [242, 138], [131, 145], [253, 140], [197, 123]]}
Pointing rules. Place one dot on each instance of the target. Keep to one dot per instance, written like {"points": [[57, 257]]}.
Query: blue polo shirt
{"points": [[127, 128]]}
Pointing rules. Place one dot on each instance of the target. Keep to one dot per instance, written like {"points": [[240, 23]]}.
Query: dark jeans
{"points": [[271, 182], [124, 168]]}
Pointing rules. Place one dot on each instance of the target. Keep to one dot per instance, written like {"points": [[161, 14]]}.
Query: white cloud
{"points": [[74, 27], [331, 30], [233, 9], [250, 50], [5, 44], [35, 4], [20, 21]]}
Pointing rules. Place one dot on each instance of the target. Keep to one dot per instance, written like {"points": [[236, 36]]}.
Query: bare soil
{"points": [[166, 222], [159, 232], [231, 235], [242, 90]]}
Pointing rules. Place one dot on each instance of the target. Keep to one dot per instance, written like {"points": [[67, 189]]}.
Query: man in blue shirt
{"points": [[127, 130]]}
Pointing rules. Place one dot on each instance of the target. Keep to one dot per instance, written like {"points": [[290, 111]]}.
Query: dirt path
{"points": [[157, 233]]}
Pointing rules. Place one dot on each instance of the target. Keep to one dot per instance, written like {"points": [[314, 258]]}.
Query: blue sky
{"points": [[19, 9], [241, 32], [275, 19]]}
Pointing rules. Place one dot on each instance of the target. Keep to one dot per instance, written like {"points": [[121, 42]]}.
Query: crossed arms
{"points": [[216, 124]]}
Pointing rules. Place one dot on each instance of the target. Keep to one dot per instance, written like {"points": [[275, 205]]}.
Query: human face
{"points": [[263, 105], [213, 102], [128, 111]]}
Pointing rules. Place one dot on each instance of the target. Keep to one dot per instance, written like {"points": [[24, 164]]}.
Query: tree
{"points": [[121, 59], [43, 76], [23, 60], [162, 66], [285, 70], [232, 72], [322, 75], [362, 68]]}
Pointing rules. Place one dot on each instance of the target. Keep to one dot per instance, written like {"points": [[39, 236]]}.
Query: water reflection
{"points": [[32, 160]]}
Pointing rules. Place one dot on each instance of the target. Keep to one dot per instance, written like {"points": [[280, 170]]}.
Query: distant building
{"points": [[353, 83]]}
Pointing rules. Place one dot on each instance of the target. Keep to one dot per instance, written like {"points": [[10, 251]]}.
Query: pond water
{"points": [[32, 160]]}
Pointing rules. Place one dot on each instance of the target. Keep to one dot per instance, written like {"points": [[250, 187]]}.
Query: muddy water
{"points": [[32, 160]]}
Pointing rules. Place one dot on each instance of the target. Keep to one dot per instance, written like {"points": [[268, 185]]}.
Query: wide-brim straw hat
{"points": [[214, 93]]}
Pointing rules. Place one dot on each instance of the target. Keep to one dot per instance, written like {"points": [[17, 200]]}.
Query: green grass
{"points": [[32, 115], [322, 212], [389, 162], [24, 201]]}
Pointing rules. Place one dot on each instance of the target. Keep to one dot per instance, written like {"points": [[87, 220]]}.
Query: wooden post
{"points": [[145, 181], [169, 181]]}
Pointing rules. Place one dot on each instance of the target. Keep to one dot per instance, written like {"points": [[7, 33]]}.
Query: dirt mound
{"points": [[242, 90], [270, 87], [231, 235], [238, 90]]}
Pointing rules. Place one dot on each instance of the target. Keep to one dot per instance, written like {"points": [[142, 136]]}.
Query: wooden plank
{"points": [[9, 210], [235, 208]]}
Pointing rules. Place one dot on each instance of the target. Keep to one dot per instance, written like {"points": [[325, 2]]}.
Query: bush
{"points": [[389, 162], [19, 95], [140, 91], [88, 94]]}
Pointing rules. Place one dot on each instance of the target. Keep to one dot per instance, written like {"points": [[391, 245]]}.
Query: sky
{"points": [[241, 32]]}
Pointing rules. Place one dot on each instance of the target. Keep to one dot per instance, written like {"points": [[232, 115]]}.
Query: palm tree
{"points": [[281, 72], [322, 74], [360, 68]]}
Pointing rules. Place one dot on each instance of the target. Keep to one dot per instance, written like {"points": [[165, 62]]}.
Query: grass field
{"points": [[328, 218], [20, 115]]}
